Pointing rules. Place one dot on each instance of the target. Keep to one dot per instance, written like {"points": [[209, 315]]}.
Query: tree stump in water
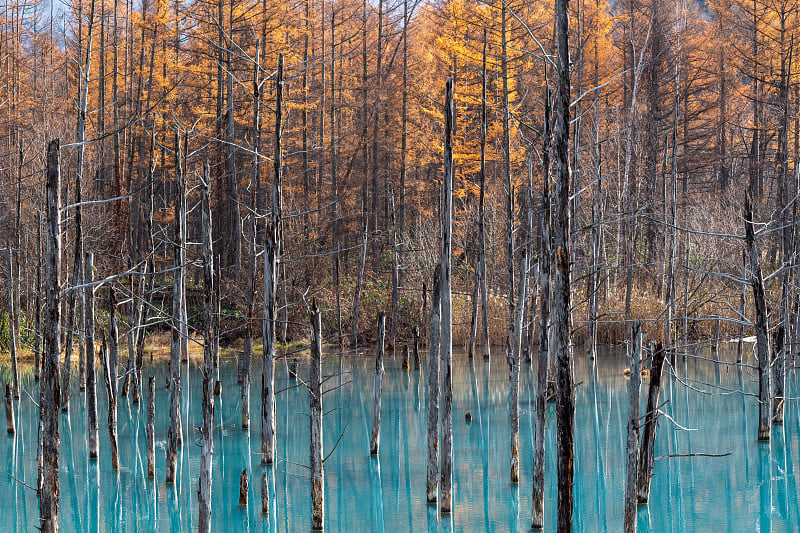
{"points": [[264, 493], [244, 485], [416, 348], [405, 358]]}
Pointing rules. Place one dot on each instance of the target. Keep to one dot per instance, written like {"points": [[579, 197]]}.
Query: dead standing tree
{"points": [[50, 386], [92, 427], [375, 436], [565, 401], [207, 433], [761, 324], [446, 433], [632, 446], [315, 393], [433, 389]]}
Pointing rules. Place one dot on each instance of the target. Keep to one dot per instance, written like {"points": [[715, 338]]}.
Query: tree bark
{"points": [[10, 425], [11, 326], [50, 389], [446, 503], [565, 401]]}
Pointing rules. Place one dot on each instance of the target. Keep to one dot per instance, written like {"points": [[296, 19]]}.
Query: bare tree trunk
{"points": [[50, 400], [207, 432], [762, 321], [742, 301], [415, 340], [446, 503], [433, 388], [72, 299], [779, 375], [632, 447], [150, 429], [650, 426], [509, 222], [315, 392], [516, 357], [565, 401], [375, 436], [360, 281], [395, 273], [92, 427], [111, 386], [11, 326], [268, 355], [37, 332]]}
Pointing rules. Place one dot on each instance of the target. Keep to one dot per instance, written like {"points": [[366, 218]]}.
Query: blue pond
{"points": [[753, 489]]}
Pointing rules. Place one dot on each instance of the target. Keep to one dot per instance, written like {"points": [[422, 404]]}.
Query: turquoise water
{"points": [[753, 489]]}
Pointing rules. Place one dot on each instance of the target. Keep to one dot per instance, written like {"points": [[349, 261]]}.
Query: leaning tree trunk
{"points": [[565, 401], [650, 424], [433, 389], [207, 432], [92, 427], [446, 504], [50, 386]]}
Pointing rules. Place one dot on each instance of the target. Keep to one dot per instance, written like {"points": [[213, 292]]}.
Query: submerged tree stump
{"points": [[264, 493], [375, 437], [244, 487], [416, 347]]}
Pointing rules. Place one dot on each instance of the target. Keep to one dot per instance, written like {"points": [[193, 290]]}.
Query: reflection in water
{"points": [[755, 488]]}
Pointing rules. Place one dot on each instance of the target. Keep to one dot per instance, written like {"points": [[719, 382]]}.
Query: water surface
{"points": [[753, 489]]}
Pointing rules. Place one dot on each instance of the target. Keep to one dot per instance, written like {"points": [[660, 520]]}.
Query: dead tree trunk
{"points": [[565, 401], [92, 427], [632, 447], [395, 274], [360, 280], [50, 389], [516, 358], [268, 354], [11, 327], [650, 425], [207, 433], [174, 433], [779, 375], [315, 392], [446, 503], [112, 403], [37, 332], [761, 324], [433, 388], [150, 428], [375, 437], [543, 361]]}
